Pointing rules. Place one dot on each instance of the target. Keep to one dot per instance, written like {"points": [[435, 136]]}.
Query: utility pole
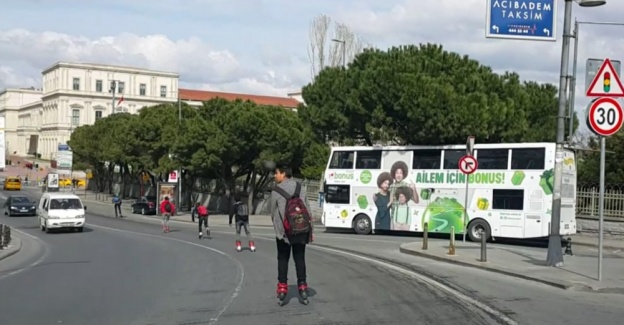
{"points": [[180, 170], [555, 255], [344, 51], [113, 88]]}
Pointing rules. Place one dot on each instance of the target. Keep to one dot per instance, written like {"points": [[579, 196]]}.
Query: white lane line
{"points": [[37, 262], [460, 296], [239, 266]]}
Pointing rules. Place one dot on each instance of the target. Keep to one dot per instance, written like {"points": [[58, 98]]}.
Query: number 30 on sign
{"points": [[605, 116]]}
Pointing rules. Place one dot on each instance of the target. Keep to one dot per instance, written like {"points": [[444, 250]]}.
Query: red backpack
{"points": [[296, 218], [202, 211]]}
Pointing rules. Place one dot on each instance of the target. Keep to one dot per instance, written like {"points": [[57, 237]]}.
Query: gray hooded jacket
{"points": [[278, 206]]}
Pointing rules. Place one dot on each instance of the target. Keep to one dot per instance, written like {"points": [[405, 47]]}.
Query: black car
{"points": [[145, 205], [20, 205]]}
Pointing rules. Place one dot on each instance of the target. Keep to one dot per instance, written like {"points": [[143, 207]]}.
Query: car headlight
{"points": [[80, 216], [13, 208]]}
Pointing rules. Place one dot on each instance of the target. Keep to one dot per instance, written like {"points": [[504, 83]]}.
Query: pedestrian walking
{"points": [[293, 230], [202, 217], [194, 211], [117, 205], [240, 213], [166, 209]]}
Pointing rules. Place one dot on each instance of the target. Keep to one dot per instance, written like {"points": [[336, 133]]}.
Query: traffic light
{"points": [[606, 83]]}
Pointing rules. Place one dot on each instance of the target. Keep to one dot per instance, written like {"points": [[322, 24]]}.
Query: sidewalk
{"points": [[13, 248], [579, 271], [103, 202]]}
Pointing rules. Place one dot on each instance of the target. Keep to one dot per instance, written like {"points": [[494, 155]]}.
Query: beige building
{"points": [[75, 94]]}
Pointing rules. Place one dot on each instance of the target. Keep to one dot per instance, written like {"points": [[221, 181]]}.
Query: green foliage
{"points": [[220, 140], [425, 95], [589, 161], [315, 161]]}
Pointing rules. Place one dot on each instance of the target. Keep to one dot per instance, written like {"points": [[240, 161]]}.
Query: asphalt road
{"points": [[129, 272]]}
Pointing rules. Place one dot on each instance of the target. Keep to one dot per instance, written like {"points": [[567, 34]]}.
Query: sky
{"points": [[261, 46]]}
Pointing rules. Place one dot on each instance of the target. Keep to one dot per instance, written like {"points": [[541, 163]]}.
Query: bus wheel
{"points": [[476, 227], [362, 224]]}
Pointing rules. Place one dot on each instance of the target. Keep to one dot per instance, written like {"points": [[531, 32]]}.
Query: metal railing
{"points": [[587, 201]]}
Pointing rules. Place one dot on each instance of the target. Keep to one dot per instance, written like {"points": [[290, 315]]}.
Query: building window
{"points": [[98, 115], [98, 86], [142, 89], [120, 87], [75, 121], [163, 91], [76, 84]]}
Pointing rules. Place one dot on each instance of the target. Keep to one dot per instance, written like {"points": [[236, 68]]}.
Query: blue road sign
{"points": [[522, 19]]}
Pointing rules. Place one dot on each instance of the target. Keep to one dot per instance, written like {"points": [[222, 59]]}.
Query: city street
{"points": [[126, 271]]}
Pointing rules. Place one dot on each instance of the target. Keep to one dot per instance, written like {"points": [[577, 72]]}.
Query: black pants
{"points": [[202, 221], [117, 210], [283, 257]]}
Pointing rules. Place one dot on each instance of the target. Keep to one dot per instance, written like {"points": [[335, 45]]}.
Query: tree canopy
{"points": [[221, 140], [426, 95]]}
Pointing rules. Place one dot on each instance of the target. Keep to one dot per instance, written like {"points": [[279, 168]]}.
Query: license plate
{"points": [[24, 210], [67, 224]]}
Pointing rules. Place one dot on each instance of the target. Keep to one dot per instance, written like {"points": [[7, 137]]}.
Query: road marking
{"points": [[37, 262], [239, 266], [460, 296]]}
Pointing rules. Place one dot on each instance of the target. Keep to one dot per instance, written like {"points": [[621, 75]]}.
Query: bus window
{"points": [[508, 199], [529, 158], [427, 159], [342, 160], [451, 158], [368, 159], [337, 194], [493, 158]]}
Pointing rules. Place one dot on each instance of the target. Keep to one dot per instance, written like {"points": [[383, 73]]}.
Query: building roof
{"points": [[110, 68], [203, 95]]}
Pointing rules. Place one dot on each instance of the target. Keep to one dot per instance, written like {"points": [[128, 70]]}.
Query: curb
{"points": [[15, 250], [552, 283], [596, 246]]}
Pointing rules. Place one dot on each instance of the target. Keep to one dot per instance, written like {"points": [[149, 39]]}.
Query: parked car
{"points": [[20, 205], [145, 205]]}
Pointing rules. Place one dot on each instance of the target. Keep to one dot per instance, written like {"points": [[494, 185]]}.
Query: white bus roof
{"points": [[453, 146]]}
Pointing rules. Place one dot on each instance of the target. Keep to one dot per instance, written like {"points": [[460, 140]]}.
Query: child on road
{"points": [[117, 204], [166, 209]]}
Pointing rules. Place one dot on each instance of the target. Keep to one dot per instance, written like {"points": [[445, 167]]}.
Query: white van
{"points": [[60, 211]]}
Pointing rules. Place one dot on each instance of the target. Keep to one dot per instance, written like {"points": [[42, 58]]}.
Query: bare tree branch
{"points": [[322, 54]]}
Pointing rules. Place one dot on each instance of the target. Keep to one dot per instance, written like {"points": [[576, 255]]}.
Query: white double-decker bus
{"points": [[402, 188]]}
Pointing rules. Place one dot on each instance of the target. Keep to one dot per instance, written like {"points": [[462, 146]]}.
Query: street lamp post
{"points": [[574, 64], [344, 51], [555, 255]]}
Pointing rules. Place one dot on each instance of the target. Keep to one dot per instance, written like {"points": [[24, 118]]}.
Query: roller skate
{"points": [[239, 246], [252, 246], [303, 293], [201, 235], [282, 292]]}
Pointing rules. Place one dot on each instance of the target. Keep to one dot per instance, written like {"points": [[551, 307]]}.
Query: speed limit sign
{"points": [[605, 116]]}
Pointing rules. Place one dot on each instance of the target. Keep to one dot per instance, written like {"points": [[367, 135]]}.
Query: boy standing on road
{"points": [[166, 209], [281, 199], [241, 212], [117, 203]]}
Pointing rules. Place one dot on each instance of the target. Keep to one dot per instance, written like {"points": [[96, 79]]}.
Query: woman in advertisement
{"points": [[383, 201]]}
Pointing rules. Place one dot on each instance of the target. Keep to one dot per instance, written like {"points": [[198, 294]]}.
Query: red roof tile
{"points": [[203, 95]]}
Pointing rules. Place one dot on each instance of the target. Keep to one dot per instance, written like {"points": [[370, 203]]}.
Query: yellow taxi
{"points": [[13, 183], [66, 182]]}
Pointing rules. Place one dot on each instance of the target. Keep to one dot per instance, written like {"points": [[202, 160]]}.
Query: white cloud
{"points": [[196, 61], [261, 48]]}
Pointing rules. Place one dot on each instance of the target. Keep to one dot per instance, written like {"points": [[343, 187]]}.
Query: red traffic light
{"points": [[607, 76]]}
